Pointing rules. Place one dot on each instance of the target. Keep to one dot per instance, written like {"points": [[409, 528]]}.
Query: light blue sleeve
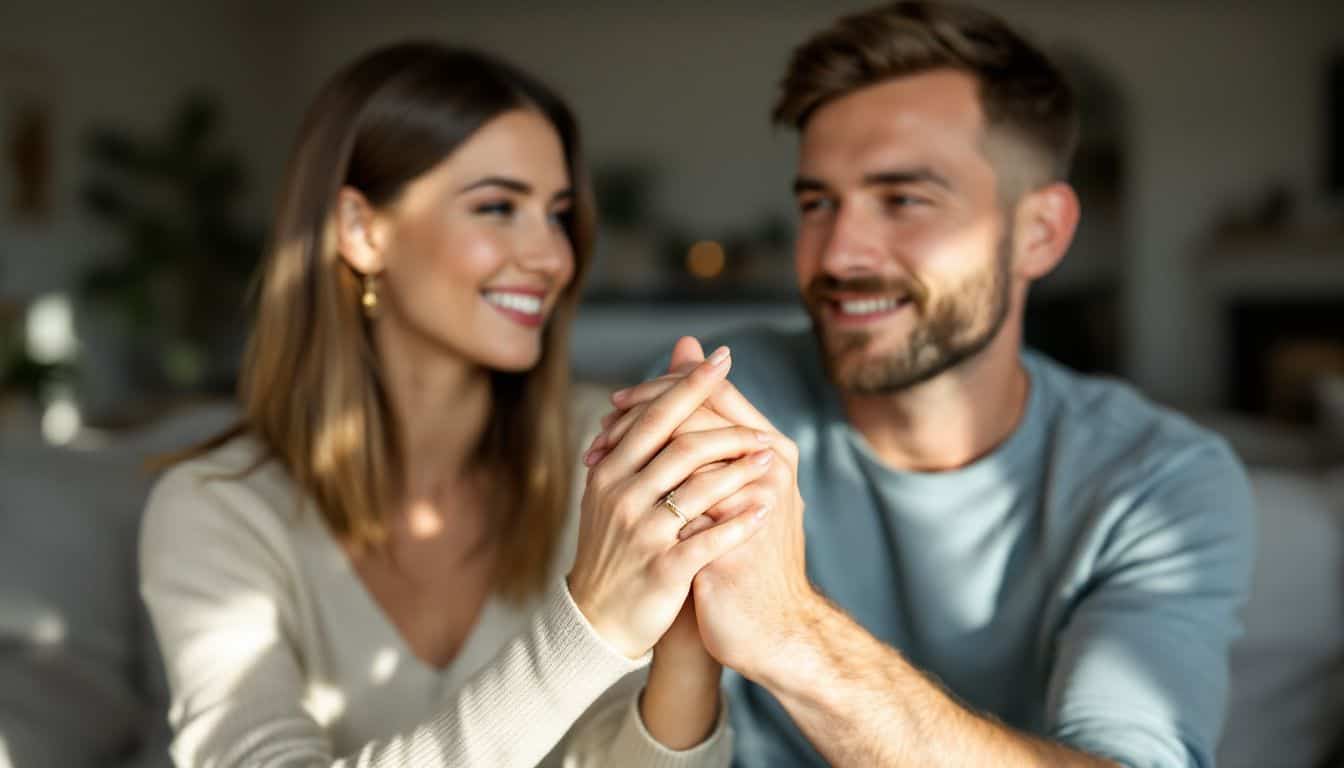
{"points": [[1141, 671]]}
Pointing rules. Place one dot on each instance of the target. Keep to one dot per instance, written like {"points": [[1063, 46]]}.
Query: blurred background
{"points": [[144, 143]]}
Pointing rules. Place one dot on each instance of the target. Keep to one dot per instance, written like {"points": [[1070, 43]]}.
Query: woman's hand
{"points": [[632, 573]]}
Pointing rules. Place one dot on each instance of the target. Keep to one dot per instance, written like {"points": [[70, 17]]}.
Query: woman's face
{"points": [[474, 252]]}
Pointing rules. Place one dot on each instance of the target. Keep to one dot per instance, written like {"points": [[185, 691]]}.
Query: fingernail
{"points": [[760, 513], [762, 458], [764, 437], [719, 357], [619, 395], [588, 458]]}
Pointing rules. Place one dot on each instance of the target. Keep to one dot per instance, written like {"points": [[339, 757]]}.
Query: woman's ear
{"points": [[1045, 222], [359, 232]]}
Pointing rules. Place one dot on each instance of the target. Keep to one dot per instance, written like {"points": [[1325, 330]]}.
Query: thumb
{"points": [[685, 353]]}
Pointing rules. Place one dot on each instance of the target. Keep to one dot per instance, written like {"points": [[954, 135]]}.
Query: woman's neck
{"points": [[442, 405]]}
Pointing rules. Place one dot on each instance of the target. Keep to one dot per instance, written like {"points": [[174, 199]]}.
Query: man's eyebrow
{"points": [[907, 176], [808, 184], [879, 179]]}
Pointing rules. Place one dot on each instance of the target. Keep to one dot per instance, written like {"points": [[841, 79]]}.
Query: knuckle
{"points": [[690, 489], [721, 511], [665, 567], [655, 412], [631, 415], [763, 496], [694, 549], [779, 472], [647, 539], [624, 511], [687, 445], [600, 479]]}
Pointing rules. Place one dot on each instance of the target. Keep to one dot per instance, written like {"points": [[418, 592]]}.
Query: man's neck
{"points": [[952, 420]]}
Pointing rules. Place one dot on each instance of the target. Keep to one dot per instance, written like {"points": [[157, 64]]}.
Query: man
{"points": [[1007, 564]]}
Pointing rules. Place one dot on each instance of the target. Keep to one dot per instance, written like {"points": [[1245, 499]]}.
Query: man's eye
{"points": [[808, 205], [903, 201]]}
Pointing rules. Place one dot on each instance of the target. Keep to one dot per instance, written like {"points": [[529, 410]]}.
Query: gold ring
{"points": [[670, 501]]}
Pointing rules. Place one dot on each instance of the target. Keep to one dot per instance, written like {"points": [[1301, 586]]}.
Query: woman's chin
{"points": [[512, 361]]}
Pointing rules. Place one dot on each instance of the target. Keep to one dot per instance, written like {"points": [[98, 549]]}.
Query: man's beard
{"points": [[948, 332]]}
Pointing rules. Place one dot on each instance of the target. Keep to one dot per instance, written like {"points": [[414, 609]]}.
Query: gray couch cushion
{"points": [[1287, 698]]}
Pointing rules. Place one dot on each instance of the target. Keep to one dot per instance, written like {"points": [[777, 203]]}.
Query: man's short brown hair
{"points": [[1022, 94]]}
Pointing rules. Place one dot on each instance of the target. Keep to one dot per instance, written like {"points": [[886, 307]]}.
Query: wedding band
{"points": [[670, 501]]}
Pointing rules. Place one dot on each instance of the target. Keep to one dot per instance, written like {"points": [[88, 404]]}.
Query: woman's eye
{"points": [[502, 208], [562, 218]]}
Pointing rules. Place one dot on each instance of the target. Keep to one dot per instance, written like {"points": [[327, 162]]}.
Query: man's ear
{"points": [[360, 236], [1044, 224]]}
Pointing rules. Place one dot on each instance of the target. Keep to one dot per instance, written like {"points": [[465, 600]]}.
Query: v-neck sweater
{"points": [[278, 655]]}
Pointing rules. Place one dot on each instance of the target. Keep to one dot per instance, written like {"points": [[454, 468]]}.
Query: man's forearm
{"points": [[861, 704]]}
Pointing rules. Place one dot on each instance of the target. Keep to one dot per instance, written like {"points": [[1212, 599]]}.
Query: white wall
{"points": [[1226, 97]]}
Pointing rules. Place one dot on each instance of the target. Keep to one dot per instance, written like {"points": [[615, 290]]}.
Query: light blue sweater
{"points": [[1082, 582]]}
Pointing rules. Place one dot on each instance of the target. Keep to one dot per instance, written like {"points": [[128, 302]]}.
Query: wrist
{"points": [[691, 674], [677, 713], [613, 639], [801, 658], [685, 663]]}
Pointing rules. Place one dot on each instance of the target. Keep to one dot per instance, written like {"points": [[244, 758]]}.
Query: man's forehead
{"points": [[918, 118]]}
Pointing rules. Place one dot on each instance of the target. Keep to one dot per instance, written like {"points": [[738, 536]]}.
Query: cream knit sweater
{"points": [[278, 656]]}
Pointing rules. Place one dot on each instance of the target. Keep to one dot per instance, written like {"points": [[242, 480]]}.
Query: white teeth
{"points": [[518, 302], [868, 306]]}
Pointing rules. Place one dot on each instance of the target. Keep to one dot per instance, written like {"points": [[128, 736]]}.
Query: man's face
{"points": [[904, 249]]}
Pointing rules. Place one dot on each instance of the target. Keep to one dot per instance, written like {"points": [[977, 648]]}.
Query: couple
{"points": [[418, 548]]}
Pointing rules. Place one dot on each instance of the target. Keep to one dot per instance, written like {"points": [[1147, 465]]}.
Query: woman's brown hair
{"points": [[311, 388]]}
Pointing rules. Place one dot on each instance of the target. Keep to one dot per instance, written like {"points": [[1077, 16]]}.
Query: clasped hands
{"points": [[731, 582]]}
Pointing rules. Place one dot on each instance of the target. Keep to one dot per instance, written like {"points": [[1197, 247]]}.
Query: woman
{"points": [[369, 569]]}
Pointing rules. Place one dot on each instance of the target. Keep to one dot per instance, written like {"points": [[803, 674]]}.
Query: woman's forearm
{"points": [[680, 704]]}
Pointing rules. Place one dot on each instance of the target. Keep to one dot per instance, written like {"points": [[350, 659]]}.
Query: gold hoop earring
{"points": [[369, 299]]}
